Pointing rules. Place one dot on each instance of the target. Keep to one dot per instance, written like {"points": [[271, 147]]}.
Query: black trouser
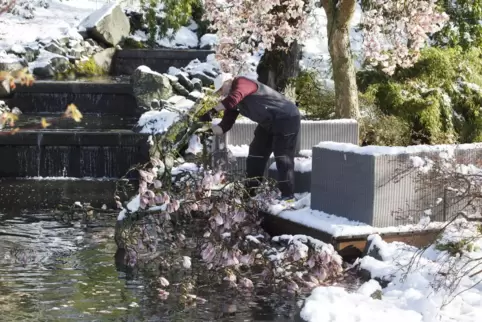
{"points": [[280, 138]]}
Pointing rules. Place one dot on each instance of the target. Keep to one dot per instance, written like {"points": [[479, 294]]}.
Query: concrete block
{"points": [[378, 188]]}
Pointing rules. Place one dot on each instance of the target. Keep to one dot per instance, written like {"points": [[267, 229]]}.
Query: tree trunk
{"points": [[344, 75], [277, 67]]}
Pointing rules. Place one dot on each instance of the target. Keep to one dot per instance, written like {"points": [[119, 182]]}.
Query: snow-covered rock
{"points": [[10, 62], [48, 64], [149, 85], [208, 41], [54, 48], [108, 25]]}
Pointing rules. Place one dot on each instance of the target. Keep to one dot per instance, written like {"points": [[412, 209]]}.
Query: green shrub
{"points": [[377, 128], [88, 68], [317, 101], [177, 13], [439, 97], [130, 43]]}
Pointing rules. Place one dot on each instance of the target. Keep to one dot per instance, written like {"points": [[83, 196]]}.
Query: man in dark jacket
{"points": [[278, 126]]}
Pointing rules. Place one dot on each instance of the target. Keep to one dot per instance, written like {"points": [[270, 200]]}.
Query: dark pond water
{"points": [[56, 271]]}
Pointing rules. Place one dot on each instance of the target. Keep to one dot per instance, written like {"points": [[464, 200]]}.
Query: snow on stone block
{"points": [[208, 41], [338, 226], [336, 304], [108, 25], [395, 150], [311, 133], [157, 122], [302, 165], [361, 183], [183, 38], [302, 174]]}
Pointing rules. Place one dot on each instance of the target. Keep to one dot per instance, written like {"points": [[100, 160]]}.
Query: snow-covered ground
{"points": [[61, 18], [426, 286], [58, 20]]}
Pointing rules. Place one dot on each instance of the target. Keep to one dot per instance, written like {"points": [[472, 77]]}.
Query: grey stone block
{"points": [[312, 132], [379, 190]]}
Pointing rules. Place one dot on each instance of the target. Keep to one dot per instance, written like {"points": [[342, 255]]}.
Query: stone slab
{"points": [[90, 98], [126, 61]]}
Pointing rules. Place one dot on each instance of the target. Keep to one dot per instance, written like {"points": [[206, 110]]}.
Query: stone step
{"points": [[74, 153], [102, 98], [20, 194], [88, 122], [127, 60]]}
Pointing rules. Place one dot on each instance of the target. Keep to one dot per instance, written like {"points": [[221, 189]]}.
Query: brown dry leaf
{"points": [[44, 123], [8, 118], [73, 113]]}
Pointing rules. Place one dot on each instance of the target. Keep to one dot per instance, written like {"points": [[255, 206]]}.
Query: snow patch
{"points": [[335, 225], [94, 18], [195, 145], [210, 40], [302, 165], [335, 304], [183, 38], [157, 122], [394, 150]]}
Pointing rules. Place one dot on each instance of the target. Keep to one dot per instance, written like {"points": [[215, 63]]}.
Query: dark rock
{"points": [[55, 65], [198, 84], [179, 89], [186, 82], [205, 79], [155, 105], [210, 73], [54, 48], [371, 249], [44, 71], [135, 20], [31, 53]]}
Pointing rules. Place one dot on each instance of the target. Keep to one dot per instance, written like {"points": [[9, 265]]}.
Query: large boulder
{"points": [[149, 85], [103, 59], [108, 25]]}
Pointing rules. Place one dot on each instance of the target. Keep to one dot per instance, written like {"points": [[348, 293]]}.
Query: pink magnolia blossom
{"points": [[394, 31]]}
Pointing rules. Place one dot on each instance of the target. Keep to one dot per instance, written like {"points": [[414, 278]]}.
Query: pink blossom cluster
{"points": [[247, 26], [395, 31], [302, 262], [233, 237]]}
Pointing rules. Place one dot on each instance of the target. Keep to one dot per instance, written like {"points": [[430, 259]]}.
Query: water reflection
{"points": [[54, 271]]}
